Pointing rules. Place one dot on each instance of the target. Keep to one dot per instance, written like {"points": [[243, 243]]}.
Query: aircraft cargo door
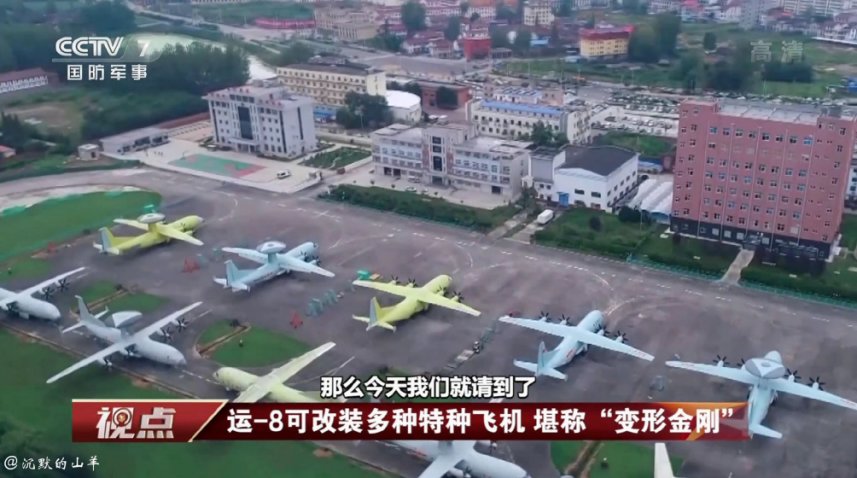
{"points": [[563, 199]]}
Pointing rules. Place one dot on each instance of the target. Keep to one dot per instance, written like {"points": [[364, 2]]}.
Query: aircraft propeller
{"points": [[62, 284], [181, 324], [603, 331], [565, 319], [792, 375], [622, 336], [47, 292], [13, 308], [166, 333], [544, 316], [816, 383], [413, 282], [721, 361], [107, 363], [741, 362], [468, 473], [457, 295]]}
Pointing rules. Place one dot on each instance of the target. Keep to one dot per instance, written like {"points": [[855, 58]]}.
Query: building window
{"points": [[579, 191], [766, 137], [596, 195], [807, 140]]}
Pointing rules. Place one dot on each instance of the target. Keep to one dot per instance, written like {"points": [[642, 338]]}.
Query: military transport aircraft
{"points": [[767, 377], [157, 232], [136, 344], [25, 305], [576, 340], [274, 262], [253, 388], [416, 299]]}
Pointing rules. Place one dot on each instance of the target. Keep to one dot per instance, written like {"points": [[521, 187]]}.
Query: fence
{"points": [[54, 170], [799, 295]]}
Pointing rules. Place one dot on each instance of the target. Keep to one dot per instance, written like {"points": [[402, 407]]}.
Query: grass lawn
{"points": [[645, 144], [261, 348], [838, 281], [849, 231], [47, 410], [572, 230], [626, 460], [61, 219], [25, 268], [214, 332], [98, 290], [141, 302], [563, 453], [238, 14], [690, 252], [337, 158]]}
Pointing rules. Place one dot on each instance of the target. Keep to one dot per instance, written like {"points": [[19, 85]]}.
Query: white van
{"points": [[284, 174]]}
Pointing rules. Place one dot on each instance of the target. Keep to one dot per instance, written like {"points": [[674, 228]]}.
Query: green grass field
{"points": [[645, 144], [214, 332], [47, 409], [849, 231], [261, 348], [689, 252], [626, 460], [139, 301], [337, 158], [247, 12], [563, 453], [61, 219], [24, 268], [839, 279], [572, 230]]}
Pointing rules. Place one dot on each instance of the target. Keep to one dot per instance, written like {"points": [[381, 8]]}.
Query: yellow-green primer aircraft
{"points": [[416, 300], [253, 388], [157, 232]]}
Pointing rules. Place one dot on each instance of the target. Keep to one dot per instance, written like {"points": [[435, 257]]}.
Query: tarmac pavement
{"points": [[664, 314]]}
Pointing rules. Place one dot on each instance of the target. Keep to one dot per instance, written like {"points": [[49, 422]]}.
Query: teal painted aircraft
{"points": [[274, 263], [767, 378]]}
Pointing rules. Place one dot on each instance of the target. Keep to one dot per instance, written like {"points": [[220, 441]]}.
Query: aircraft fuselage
{"points": [[152, 238], [273, 269], [410, 307], [480, 465], [27, 306], [569, 348]]}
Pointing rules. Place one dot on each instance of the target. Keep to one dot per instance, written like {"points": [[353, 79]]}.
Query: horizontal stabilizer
{"points": [[545, 371], [764, 431], [74, 327], [371, 325]]}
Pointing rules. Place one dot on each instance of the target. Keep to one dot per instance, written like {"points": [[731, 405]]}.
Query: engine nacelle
{"points": [[122, 320]]}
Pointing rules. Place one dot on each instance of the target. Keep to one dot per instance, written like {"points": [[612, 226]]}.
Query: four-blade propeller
{"points": [[721, 361]]}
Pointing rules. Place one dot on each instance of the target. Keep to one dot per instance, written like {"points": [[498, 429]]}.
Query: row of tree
{"points": [[651, 43], [364, 111]]}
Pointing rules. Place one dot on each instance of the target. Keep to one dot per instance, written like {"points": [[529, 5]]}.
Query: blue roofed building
{"points": [[516, 119]]}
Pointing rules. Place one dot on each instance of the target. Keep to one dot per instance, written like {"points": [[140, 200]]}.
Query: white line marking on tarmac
{"points": [[820, 319], [418, 234], [418, 254]]}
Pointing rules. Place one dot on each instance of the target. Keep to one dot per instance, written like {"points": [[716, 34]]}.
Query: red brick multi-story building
{"points": [[764, 176]]}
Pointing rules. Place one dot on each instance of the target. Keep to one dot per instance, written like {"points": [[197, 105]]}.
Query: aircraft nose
{"points": [[180, 360], [54, 313]]}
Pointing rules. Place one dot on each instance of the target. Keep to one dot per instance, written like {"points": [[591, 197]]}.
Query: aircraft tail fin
{"points": [[764, 431], [663, 467], [540, 368], [107, 242], [233, 277], [376, 312], [86, 316]]}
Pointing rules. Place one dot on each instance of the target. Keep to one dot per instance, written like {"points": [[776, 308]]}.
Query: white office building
{"points": [[516, 120], [851, 191], [263, 118], [595, 177], [451, 155], [136, 140]]}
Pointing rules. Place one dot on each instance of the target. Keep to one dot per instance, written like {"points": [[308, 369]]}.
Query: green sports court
{"points": [[215, 165]]}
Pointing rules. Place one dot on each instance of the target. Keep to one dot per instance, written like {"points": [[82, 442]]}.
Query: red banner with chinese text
{"points": [[188, 420]]}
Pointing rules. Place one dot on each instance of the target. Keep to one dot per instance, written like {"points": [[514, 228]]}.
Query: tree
{"points": [[523, 40], [667, 26], [474, 17], [595, 223], [413, 87], [503, 12], [519, 10], [709, 41], [554, 38], [297, 52], [643, 45], [787, 72], [107, 17], [51, 7], [500, 38], [676, 239], [690, 70], [446, 98], [541, 134], [413, 16], [7, 56], [453, 29], [463, 7], [364, 111], [565, 8]]}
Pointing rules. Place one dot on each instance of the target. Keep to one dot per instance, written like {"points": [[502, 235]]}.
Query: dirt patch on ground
{"points": [[35, 197], [57, 116], [140, 383], [322, 453]]}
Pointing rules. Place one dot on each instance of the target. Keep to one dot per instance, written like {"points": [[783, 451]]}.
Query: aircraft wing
{"points": [[262, 385], [296, 264], [729, 373], [132, 223], [100, 355], [578, 334], [248, 254], [806, 391], [174, 233], [152, 328], [445, 461], [420, 294], [53, 281]]}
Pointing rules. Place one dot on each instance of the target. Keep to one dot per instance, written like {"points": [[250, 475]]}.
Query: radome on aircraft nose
{"points": [[54, 313]]}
